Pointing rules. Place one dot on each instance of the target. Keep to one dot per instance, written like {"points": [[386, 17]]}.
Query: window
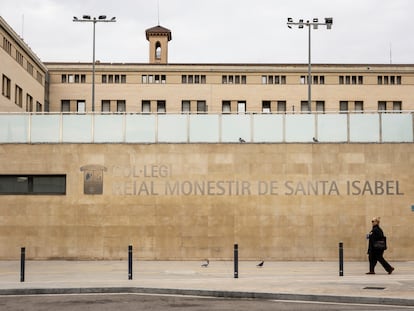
{"points": [[32, 184], [304, 106], [81, 106], [106, 106], [354, 79], [359, 106], [83, 78], [71, 78], [385, 79], [7, 45], [382, 105], [18, 96], [190, 79], [19, 57], [144, 79], [343, 106], [146, 106], [281, 106], [264, 79], [184, 79], [201, 106], [29, 103], [243, 79], [76, 78], [157, 79], [185, 106], [397, 106], [163, 79], [398, 79], [117, 79], [241, 107], [379, 80], [63, 80], [315, 80], [197, 79], [360, 80], [158, 50], [266, 106], [320, 106], [230, 79], [110, 78], [347, 79], [6, 87], [203, 79], [120, 105], [224, 79], [65, 105], [302, 79], [226, 106], [161, 106], [38, 107], [322, 80], [123, 79]]}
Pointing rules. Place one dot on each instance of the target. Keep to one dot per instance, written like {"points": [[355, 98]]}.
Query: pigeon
{"points": [[205, 265], [241, 140], [259, 265], [315, 140]]}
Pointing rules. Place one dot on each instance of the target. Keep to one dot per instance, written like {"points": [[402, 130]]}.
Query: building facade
{"points": [[77, 185]]}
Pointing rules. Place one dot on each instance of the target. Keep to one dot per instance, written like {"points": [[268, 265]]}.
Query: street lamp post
{"points": [[314, 24], [94, 20]]}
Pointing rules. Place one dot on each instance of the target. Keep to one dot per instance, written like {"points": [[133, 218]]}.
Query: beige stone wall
{"points": [[194, 201]]}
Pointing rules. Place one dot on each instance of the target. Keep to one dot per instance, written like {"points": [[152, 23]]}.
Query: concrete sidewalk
{"points": [[307, 281]]}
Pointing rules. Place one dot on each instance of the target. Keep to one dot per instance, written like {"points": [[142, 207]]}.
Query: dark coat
{"points": [[376, 234]]}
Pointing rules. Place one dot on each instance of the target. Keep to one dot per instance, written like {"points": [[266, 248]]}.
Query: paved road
{"points": [[137, 302]]}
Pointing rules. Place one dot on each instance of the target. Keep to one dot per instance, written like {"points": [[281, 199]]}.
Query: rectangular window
{"points": [[163, 79], [281, 106], [224, 79], [315, 80], [241, 107], [354, 80], [385, 79], [341, 79], [347, 80], [201, 106], [29, 103], [392, 80], [7, 45], [359, 106], [197, 79], [266, 106], [19, 57], [185, 106], [302, 79], [322, 80], [397, 106], [190, 79], [32, 184], [30, 68], [157, 79], [71, 78], [304, 106], [203, 79], [161, 107], [117, 80], [398, 79], [230, 79], [104, 79], [63, 79], [277, 80], [144, 79], [226, 106], [6, 87], [264, 79], [83, 78], [18, 96], [379, 80], [120, 105], [110, 78], [243, 79], [382, 105], [320, 106], [183, 79], [283, 79], [360, 80], [106, 106], [76, 78], [81, 106], [146, 106], [123, 79], [237, 79], [343, 106], [65, 105], [270, 79]]}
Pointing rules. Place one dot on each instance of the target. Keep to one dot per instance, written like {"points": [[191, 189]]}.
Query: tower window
{"points": [[158, 50]]}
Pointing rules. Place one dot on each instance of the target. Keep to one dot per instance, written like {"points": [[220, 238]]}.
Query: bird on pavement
{"points": [[259, 265], [205, 265]]}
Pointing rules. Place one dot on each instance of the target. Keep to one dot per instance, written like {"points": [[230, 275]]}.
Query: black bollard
{"points": [[130, 262], [341, 259], [236, 261], [22, 263]]}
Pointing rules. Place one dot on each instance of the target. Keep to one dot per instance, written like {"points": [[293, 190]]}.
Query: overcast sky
{"points": [[218, 31]]}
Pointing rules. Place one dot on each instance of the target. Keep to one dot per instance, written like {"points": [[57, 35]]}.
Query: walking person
{"points": [[376, 246]]}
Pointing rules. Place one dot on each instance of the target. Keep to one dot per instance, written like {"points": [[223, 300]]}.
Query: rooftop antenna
{"points": [[390, 53], [158, 7], [23, 26]]}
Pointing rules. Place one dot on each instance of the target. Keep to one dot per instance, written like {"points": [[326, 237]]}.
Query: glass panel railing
{"points": [[267, 128], [332, 127], [108, 128], [364, 128], [204, 128], [45, 128], [14, 128], [172, 128], [397, 127], [77, 128], [140, 128], [235, 127], [300, 128]]}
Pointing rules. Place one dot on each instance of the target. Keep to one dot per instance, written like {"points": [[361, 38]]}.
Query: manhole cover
{"points": [[374, 287]]}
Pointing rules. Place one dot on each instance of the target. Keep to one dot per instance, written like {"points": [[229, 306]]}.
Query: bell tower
{"points": [[158, 38]]}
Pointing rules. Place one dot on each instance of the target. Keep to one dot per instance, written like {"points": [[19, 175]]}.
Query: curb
{"points": [[209, 293]]}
